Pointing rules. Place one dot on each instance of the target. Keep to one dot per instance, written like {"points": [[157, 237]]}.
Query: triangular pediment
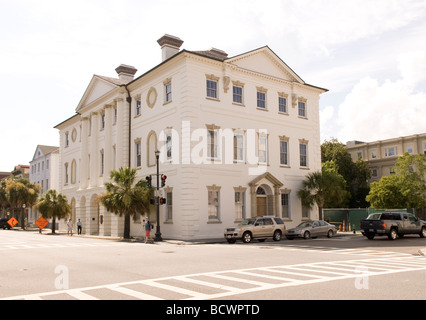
{"points": [[266, 62], [42, 151], [269, 177], [98, 87]]}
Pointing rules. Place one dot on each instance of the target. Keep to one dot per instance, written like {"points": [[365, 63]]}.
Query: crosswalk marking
{"points": [[258, 279]]}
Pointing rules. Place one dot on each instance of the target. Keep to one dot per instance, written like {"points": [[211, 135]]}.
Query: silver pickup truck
{"points": [[393, 225]]}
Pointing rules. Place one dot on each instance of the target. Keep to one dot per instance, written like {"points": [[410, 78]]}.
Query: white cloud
{"points": [[374, 111]]}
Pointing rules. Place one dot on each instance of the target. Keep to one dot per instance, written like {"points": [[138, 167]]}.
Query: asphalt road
{"points": [[47, 267]]}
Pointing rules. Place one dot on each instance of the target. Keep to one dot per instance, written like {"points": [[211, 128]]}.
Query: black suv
{"points": [[4, 224]]}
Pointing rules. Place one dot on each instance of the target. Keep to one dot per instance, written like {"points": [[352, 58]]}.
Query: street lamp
{"points": [[157, 199]]}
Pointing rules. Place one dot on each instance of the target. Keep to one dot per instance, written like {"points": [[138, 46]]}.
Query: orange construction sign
{"points": [[42, 223], [12, 222]]}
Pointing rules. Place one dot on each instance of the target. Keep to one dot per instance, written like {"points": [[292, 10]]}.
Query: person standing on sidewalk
{"points": [[79, 227], [69, 224], [148, 227]]}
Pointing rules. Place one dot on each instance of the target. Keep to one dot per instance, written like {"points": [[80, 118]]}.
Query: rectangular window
{"points": [[138, 154], [239, 154], [305, 212], [102, 121], [283, 153], [102, 163], [237, 95], [391, 152], [212, 144], [213, 203], [138, 107], [302, 109], [284, 206], [212, 89], [303, 155], [373, 154], [168, 92], [263, 149], [261, 100], [240, 205], [282, 105], [169, 203], [410, 149]]}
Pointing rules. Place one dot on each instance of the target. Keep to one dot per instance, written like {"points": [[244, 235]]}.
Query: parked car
{"points": [[4, 225], [392, 224], [259, 228], [312, 229]]}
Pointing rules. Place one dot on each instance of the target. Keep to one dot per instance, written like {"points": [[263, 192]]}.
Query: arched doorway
{"points": [[264, 201]]}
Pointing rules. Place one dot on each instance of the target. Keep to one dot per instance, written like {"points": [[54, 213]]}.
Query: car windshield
{"points": [[248, 222], [305, 224]]}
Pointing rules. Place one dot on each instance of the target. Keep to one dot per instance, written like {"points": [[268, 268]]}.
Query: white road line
{"points": [[132, 293], [382, 266]]}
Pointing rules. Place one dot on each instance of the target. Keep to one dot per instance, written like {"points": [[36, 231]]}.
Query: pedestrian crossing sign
{"points": [[12, 222]]}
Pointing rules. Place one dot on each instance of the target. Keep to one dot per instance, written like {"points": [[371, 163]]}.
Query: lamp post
{"points": [[157, 199]]}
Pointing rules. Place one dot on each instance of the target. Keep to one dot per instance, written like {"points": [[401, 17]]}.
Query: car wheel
{"points": [[277, 235], [247, 237], [393, 234], [423, 232], [330, 234], [307, 235]]}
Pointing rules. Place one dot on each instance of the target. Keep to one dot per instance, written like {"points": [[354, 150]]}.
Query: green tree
{"points": [[406, 188], [322, 188], [53, 206], [125, 198], [20, 193], [356, 174]]}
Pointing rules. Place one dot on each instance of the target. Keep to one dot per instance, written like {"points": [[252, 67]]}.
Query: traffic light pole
{"points": [[157, 199]]}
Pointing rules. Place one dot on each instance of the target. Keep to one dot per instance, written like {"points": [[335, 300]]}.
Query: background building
{"points": [[44, 171], [237, 136], [382, 155]]}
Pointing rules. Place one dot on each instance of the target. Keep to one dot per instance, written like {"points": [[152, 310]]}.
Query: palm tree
{"points": [[54, 206], [125, 198], [320, 187], [20, 193]]}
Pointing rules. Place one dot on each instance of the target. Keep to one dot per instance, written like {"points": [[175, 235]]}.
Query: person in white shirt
{"points": [[69, 224]]}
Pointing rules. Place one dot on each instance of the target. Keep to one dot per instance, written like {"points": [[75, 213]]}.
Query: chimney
{"points": [[170, 46], [126, 73]]}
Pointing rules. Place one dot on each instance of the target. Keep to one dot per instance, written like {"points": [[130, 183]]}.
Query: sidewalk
{"points": [[142, 239]]}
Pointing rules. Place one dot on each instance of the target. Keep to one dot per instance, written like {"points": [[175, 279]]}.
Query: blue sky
{"points": [[371, 55]]}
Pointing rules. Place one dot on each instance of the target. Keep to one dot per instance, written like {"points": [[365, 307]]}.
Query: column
{"points": [[108, 152], [94, 151], [84, 153]]}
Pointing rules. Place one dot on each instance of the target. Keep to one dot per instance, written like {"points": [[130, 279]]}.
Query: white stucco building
{"points": [[237, 136], [44, 171]]}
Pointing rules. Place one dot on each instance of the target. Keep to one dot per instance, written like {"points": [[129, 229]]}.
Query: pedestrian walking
{"points": [[69, 224], [148, 228], [79, 227]]}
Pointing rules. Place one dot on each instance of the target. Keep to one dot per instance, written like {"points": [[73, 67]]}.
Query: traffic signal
{"points": [[163, 180], [162, 201], [149, 181]]}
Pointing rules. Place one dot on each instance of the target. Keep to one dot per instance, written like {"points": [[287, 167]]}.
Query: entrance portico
{"points": [[265, 195]]}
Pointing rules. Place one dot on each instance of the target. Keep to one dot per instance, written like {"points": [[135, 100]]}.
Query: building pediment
{"points": [[266, 176], [98, 87], [265, 61]]}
